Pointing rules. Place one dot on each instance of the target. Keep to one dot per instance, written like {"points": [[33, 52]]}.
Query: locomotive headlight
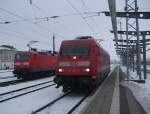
{"points": [[74, 57], [87, 70], [60, 70]]}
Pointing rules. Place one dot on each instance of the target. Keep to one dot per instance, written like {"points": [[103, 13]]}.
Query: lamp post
{"points": [[54, 17]]}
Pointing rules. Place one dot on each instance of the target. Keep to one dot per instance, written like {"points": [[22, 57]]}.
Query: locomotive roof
{"points": [[35, 52], [79, 41]]}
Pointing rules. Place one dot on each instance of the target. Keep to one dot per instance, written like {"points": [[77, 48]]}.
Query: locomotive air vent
{"points": [[84, 37]]}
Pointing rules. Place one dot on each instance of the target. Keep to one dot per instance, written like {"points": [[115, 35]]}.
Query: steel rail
{"points": [[3, 84], [13, 91], [26, 93], [73, 108], [50, 103]]}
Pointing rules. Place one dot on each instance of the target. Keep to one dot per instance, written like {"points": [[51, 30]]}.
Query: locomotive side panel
{"points": [[39, 65]]}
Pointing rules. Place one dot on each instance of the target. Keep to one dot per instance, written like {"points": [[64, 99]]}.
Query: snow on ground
{"points": [[64, 105], [132, 74], [6, 74], [30, 102], [6, 70], [83, 104], [140, 91], [24, 84], [7, 79]]}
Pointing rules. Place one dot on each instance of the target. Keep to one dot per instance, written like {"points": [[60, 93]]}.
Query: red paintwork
{"points": [[37, 60], [98, 57], [38, 64]]}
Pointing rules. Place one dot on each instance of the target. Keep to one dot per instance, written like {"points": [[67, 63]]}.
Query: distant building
{"points": [[7, 54]]}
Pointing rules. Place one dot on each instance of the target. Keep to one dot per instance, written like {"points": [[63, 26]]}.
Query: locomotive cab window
{"points": [[22, 57], [75, 50]]}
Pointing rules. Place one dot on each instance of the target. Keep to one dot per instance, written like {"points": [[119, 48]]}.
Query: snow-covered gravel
{"points": [[30, 102], [1, 71], [6, 75], [7, 96], [7, 79], [63, 105], [24, 84]]}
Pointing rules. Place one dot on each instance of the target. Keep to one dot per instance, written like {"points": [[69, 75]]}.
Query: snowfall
{"points": [[28, 103]]}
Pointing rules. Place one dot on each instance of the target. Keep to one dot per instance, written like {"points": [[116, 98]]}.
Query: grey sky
{"points": [[20, 32]]}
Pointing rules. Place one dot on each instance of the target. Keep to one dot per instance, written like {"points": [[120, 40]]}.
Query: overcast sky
{"points": [[26, 26]]}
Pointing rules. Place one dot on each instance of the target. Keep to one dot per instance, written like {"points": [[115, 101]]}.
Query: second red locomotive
{"points": [[81, 62], [34, 64]]}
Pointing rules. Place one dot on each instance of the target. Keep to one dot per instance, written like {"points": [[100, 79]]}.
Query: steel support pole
{"points": [[133, 62], [138, 45], [127, 38], [144, 58], [53, 43]]}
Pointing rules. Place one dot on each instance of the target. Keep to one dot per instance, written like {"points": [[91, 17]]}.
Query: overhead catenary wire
{"points": [[18, 35], [40, 26], [84, 5], [18, 16], [35, 19], [37, 7], [21, 34], [43, 11], [67, 28], [86, 9], [50, 17], [73, 7], [32, 19], [20, 38]]}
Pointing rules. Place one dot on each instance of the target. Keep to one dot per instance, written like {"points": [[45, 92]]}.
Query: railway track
{"points": [[50, 103], [78, 103], [59, 98], [17, 81], [23, 91], [7, 77], [5, 71], [3, 84]]}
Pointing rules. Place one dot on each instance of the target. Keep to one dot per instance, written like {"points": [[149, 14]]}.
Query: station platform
{"points": [[113, 98]]}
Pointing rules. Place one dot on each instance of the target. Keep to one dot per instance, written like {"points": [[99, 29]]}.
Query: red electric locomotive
{"points": [[81, 62], [34, 64]]}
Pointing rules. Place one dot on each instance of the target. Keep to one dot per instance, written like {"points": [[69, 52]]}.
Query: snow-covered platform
{"points": [[106, 97], [112, 97]]}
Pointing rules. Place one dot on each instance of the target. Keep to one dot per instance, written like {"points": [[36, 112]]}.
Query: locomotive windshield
{"points": [[22, 56], [75, 50]]}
